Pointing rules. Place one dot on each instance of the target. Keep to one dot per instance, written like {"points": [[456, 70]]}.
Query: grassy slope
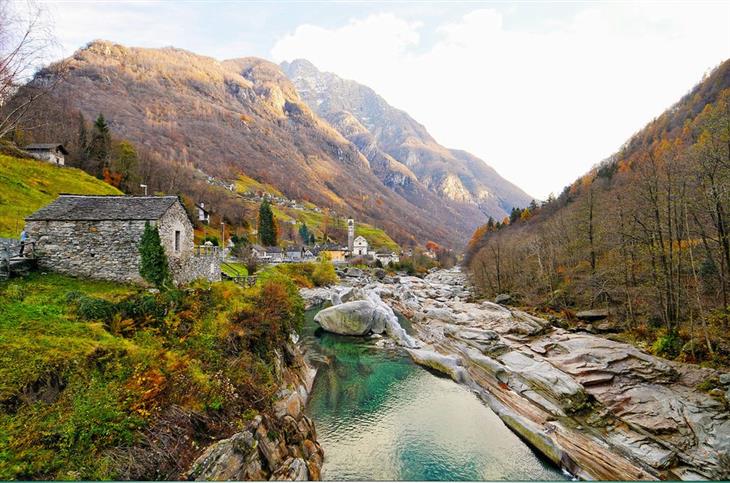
{"points": [[27, 184], [376, 237], [115, 383]]}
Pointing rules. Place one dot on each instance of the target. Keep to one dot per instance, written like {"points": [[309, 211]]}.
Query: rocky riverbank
{"points": [[598, 408], [281, 445]]}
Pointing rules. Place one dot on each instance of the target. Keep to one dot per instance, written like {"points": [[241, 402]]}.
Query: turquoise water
{"points": [[381, 417]]}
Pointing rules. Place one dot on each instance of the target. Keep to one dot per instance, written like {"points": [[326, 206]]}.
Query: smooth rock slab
{"points": [[358, 317]]}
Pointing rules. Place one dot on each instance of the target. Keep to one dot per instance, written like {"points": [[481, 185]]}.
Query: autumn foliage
{"points": [[645, 234]]}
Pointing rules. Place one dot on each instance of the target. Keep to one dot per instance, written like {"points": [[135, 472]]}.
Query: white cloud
{"points": [[539, 105]]}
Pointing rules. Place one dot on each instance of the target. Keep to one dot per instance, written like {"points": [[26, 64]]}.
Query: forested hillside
{"points": [[184, 113], [644, 234]]}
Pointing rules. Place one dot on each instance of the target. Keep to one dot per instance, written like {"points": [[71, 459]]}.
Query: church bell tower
{"points": [[350, 235]]}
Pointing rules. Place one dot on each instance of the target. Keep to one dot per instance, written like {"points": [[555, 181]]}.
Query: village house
{"points": [[203, 214], [99, 237], [294, 254], [386, 257], [54, 153], [275, 254], [333, 252]]}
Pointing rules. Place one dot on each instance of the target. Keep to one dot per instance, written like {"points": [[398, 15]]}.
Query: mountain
{"points": [[400, 146], [245, 117]]}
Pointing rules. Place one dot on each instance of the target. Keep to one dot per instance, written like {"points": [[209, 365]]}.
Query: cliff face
{"points": [[455, 176], [245, 116]]}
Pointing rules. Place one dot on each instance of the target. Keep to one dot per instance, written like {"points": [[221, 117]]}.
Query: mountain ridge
{"points": [[453, 174]]}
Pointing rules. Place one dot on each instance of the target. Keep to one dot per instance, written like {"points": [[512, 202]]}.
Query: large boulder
{"points": [[592, 315], [358, 317]]}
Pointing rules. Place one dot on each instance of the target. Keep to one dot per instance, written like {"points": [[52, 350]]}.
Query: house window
{"points": [[177, 240]]}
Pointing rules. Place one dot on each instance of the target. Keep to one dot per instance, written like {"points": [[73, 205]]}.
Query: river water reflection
{"points": [[380, 416]]}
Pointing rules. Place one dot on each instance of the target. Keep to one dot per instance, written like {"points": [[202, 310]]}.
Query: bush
{"points": [[275, 310], [324, 274], [91, 308], [153, 265], [667, 345], [212, 239]]}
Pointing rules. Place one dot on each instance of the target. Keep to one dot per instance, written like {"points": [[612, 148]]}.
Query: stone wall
{"points": [[11, 245], [109, 250], [194, 267]]}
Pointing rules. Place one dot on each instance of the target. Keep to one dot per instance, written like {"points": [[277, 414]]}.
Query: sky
{"points": [[541, 91]]}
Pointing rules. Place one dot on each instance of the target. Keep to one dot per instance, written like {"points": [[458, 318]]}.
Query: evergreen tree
{"points": [[100, 146], [304, 233], [153, 261], [267, 226], [312, 240], [83, 143]]}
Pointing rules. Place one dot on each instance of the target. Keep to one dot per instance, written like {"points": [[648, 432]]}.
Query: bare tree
{"points": [[25, 41]]}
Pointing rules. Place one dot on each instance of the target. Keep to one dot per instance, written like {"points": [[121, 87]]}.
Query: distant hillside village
{"points": [[95, 236]]}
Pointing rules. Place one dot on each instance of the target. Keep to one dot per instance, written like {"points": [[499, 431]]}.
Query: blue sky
{"points": [[539, 90]]}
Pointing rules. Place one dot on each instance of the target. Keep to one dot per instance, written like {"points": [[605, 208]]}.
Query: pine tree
{"points": [[100, 146], [153, 261], [304, 233], [83, 143], [267, 226]]}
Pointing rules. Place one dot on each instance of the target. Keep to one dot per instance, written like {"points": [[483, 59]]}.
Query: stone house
{"points": [[99, 237], [275, 254], [54, 153], [386, 258]]}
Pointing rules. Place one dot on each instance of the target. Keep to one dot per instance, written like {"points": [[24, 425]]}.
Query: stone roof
{"points": [[97, 208], [45, 147]]}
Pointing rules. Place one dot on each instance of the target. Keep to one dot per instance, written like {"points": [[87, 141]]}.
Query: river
{"points": [[379, 416]]}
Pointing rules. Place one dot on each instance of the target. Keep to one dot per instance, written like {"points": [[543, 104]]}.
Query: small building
{"points": [[360, 247], [386, 257], [99, 237], [203, 214], [334, 253], [54, 153], [294, 254], [275, 254], [258, 252]]}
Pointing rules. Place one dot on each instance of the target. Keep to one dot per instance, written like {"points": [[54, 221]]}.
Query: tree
{"points": [[82, 154], [24, 41], [100, 146], [124, 163], [267, 224], [304, 233], [153, 265]]}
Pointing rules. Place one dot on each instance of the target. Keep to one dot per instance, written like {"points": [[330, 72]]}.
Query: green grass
{"points": [[120, 370], [375, 236], [27, 185], [244, 184], [234, 269]]}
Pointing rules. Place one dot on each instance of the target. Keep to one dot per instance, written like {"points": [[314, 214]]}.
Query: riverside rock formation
{"points": [[600, 409], [281, 445]]}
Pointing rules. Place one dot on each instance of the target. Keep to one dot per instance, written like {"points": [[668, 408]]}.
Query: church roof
{"points": [[98, 208]]}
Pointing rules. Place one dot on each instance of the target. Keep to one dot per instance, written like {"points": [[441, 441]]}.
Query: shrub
{"points": [[667, 345], [275, 310], [324, 274], [153, 265], [91, 308]]}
